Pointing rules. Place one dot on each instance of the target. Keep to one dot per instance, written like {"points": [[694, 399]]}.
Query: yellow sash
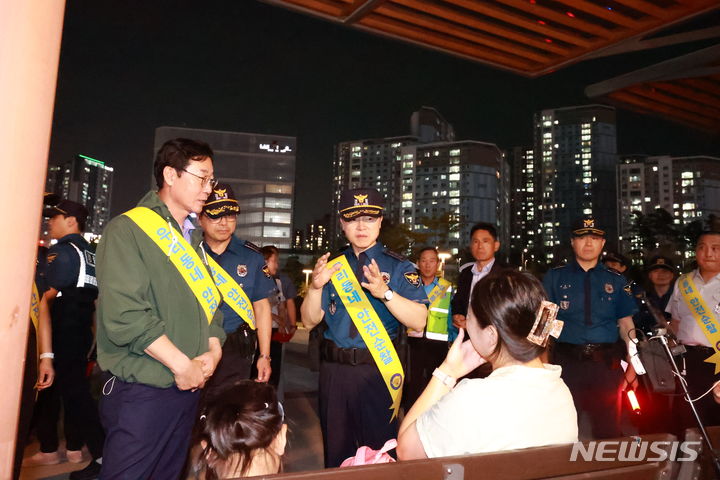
{"points": [[182, 256], [438, 292], [34, 306], [702, 315], [371, 329], [435, 296], [232, 292]]}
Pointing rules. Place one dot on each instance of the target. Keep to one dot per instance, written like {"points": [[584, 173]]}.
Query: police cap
{"points": [[587, 226], [221, 202], [67, 208], [660, 261], [361, 202], [616, 257]]}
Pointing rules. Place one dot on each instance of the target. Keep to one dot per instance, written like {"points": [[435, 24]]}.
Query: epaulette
{"points": [[612, 270], [253, 247], [394, 255]]}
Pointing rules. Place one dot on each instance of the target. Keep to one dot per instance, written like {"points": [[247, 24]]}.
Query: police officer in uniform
{"points": [[244, 262], [428, 348], [597, 311], [70, 302], [354, 400]]}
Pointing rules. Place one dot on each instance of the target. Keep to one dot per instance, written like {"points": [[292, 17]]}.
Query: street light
{"points": [[307, 273], [443, 256]]}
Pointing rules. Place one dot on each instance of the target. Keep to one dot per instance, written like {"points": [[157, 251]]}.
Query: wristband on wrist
{"points": [[262, 355], [47, 355], [446, 379]]}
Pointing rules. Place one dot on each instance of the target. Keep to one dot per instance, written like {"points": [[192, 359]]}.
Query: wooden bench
{"points": [[527, 464]]}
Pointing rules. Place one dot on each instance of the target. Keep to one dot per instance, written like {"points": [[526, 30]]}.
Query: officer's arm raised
{"points": [[311, 309], [409, 313]]}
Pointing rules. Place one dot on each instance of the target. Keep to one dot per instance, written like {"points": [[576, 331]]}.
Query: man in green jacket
{"points": [[159, 331]]}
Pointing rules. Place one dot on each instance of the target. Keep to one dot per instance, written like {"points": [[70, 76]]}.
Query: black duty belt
{"points": [[587, 351], [329, 352]]}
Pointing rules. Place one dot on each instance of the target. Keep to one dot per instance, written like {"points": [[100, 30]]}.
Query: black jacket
{"points": [[462, 295]]}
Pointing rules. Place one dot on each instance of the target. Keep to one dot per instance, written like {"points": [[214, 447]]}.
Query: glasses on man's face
{"points": [[205, 180], [227, 219]]}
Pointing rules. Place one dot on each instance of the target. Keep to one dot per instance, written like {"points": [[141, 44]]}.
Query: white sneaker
{"points": [[42, 458]]}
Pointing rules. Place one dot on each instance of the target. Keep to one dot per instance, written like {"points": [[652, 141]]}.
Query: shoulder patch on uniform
{"points": [[253, 247], [413, 278], [51, 257], [266, 271], [628, 289], [394, 255]]}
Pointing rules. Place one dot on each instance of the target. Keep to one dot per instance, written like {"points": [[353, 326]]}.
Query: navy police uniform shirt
{"points": [[64, 260], [244, 262], [71, 271], [399, 274], [591, 303]]}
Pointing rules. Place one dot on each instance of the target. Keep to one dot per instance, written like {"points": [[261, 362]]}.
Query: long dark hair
{"points": [[236, 423], [509, 301]]}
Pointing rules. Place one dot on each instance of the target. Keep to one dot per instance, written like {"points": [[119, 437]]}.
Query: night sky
{"points": [[241, 65]]}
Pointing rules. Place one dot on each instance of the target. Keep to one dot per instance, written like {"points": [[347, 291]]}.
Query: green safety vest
{"points": [[438, 311]]}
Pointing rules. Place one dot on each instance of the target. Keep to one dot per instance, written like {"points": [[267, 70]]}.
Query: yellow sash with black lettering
{"points": [[438, 291], [371, 329], [34, 306], [702, 315], [182, 256], [232, 293]]}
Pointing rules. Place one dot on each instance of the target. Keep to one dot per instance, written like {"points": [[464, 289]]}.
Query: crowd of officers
{"points": [[183, 312]]}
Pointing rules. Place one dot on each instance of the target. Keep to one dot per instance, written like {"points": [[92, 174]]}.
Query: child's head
{"points": [[241, 432]]}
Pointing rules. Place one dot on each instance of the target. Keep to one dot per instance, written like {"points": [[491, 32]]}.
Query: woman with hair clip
{"points": [[241, 433], [523, 403]]}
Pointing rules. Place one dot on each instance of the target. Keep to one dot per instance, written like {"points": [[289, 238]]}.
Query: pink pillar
{"points": [[30, 34]]}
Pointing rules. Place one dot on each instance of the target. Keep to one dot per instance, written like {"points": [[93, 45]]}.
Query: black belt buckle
{"points": [[353, 356]]}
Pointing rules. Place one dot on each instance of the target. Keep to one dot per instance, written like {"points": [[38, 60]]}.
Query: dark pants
{"points": [[71, 388], [594, 382], [27, 400], [236, 362], [425, 356], [700, 376], [354, 410], [148, 430]]}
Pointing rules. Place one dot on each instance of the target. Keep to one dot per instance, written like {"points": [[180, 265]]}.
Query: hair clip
{"points": [[267, 405], [203, 417], [546, 324]]}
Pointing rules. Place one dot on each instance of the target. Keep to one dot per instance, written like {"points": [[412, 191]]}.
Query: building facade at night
{"points": [[425, 177], [686, 187], [261, 170], [87, 181], [572, 174]]}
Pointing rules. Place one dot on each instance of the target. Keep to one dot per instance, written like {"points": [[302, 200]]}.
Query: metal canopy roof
{"points": [[685, 89], [536, 37], [528, 37]]}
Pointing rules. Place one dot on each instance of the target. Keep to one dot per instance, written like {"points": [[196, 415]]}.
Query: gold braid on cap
{"points": [[223, 209]]}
